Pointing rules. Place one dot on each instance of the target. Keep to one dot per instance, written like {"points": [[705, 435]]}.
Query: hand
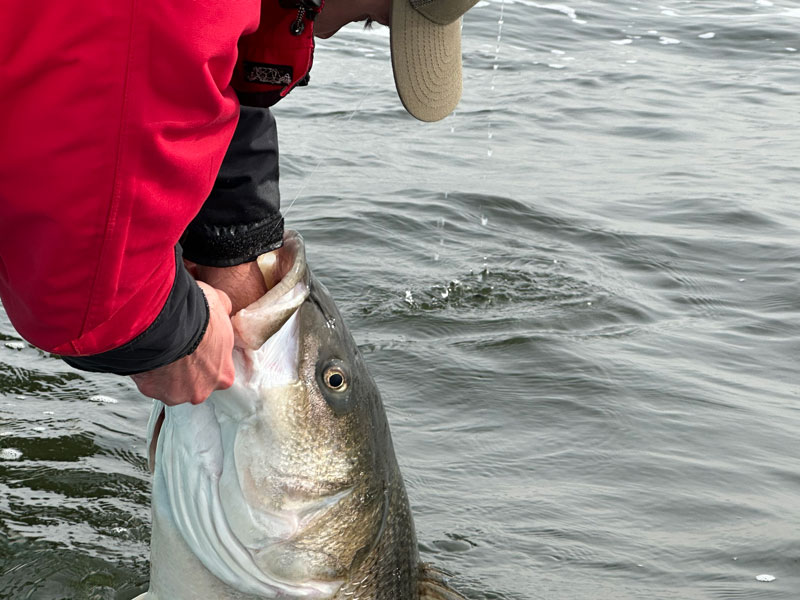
{"points": [[210, 367], [243, 283]]}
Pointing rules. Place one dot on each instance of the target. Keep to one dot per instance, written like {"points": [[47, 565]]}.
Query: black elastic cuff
{"points": [[241, 219], [226, 246], [175, 333]]}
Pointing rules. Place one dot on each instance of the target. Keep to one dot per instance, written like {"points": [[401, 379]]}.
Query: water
{"points": [[580, 296]]}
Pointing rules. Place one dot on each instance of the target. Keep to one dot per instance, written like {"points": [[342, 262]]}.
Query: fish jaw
{"points": [[206, 457], [279, 479]]}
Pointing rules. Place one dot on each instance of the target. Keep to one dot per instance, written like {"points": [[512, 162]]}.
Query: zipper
{"points": [[297, 27]]}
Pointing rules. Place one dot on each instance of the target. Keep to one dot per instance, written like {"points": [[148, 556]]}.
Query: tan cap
{"points": [[426, 55]]}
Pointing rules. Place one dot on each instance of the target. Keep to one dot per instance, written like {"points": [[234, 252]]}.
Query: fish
{"points": [[285, 485]]}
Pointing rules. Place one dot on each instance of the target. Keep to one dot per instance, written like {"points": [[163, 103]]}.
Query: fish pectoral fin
{"points": [[432, 584]]}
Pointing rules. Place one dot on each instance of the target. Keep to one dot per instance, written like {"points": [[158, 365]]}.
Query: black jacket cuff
{"points": [[241, 218], [175, 333]]}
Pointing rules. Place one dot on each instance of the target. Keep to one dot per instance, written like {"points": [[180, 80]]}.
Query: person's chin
{"points": [[324, 35]]}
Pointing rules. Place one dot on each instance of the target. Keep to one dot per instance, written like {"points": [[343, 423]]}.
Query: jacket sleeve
{"points": [[241, 218], [120, 113], [239, 221], [175, 333]]}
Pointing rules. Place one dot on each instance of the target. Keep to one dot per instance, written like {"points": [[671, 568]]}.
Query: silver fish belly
{"points": [[286, 485]]}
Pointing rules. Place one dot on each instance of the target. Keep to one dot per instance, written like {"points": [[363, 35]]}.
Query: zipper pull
{"points": [[297, 27]]}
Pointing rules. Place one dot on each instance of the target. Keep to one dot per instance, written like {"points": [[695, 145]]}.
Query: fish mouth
{"points": [[286, 275]]}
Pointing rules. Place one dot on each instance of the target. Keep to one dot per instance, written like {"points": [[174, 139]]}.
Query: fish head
{"points": [[296, 455]]}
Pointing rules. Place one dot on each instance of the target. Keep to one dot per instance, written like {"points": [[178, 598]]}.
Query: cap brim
{"points": [[426, 60]]}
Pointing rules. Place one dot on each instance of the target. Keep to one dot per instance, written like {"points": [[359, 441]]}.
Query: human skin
{"points": [[210, 367], [338, 13]]}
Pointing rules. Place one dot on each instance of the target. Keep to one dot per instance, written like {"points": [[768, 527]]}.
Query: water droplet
{"points": [[103, 399], [484, 220], [489, 152], [10, 454], [409, 299]]}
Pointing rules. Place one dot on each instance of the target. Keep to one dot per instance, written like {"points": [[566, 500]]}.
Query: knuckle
{"points": [[226, 381]]}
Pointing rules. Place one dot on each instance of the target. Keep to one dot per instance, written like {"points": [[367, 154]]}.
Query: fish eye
{"points": [[334, 378], [336, 383]]}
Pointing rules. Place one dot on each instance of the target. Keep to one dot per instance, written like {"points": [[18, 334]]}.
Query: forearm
{"points": [[241, 218]]}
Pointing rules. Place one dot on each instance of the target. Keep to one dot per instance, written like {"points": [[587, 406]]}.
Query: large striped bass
{"points": [[286, 485]]}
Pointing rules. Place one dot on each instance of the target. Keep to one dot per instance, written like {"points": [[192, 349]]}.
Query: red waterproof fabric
{"points": [[116, 115]]}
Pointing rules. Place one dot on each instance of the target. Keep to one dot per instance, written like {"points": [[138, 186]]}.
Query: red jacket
{"points": [[116, 118]]}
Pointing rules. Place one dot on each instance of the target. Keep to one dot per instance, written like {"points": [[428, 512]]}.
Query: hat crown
{"points": [[442, 12]]}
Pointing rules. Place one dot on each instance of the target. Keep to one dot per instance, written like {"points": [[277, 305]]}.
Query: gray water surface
{"points": [[579, 295]]}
